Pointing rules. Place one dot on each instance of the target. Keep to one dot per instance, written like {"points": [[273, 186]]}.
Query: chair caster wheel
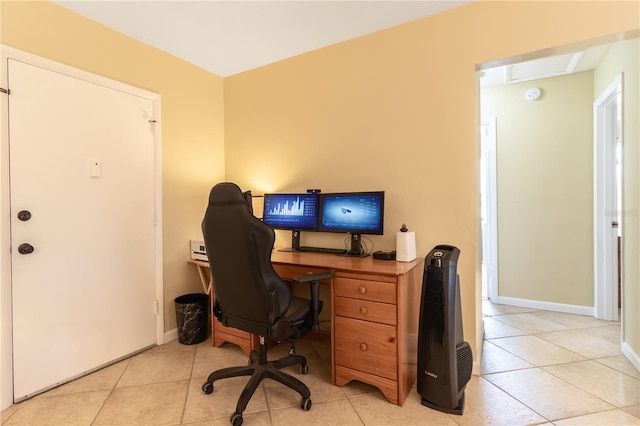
{"points": [[207, 388], [305, 403], [304, 368], [236, 419]]}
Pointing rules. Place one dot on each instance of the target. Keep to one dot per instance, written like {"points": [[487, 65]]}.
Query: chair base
{"points": [[259, 369]]}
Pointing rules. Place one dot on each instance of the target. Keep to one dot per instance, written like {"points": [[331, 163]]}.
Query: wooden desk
{"points": [[375, 307]]}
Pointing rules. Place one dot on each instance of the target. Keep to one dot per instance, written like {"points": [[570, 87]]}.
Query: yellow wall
{"points": [[545, 188], [624, 58], [192, 116], [397, 110]]}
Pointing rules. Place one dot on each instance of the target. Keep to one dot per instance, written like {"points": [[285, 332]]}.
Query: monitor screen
{"points": [[352, 212], [291, 211]]}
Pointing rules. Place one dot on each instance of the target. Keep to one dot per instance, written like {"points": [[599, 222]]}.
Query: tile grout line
{"points": [[186, 396], [528, 333], [128, 360]]}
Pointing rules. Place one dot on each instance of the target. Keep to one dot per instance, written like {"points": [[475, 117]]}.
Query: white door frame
{"points": [[490, 231], [6, 381], [605, 112]]}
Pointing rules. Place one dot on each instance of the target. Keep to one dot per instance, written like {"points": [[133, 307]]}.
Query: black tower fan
{"points": [[444, 358]]}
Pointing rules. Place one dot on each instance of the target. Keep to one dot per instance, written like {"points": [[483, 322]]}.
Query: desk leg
{"points": [[205, 279]]}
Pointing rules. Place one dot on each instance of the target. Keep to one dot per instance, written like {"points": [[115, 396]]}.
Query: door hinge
{"points": [[3, 90], [156, 307], [152, 126]]}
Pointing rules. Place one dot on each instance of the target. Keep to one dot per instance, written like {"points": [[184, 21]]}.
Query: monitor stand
{"points": [[295, 241], [356, 247]]}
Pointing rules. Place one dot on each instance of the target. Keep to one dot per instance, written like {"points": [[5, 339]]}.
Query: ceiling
{"points": [[228, 37], [548, 66]]}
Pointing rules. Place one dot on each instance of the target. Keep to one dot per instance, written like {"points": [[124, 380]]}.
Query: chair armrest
{"points": [[314, 287]]}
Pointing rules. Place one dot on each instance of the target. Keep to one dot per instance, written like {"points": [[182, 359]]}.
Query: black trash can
{"points": [[192, 312]]}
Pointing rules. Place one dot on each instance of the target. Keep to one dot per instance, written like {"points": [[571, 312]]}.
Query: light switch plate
{"points": [[95, 169]]}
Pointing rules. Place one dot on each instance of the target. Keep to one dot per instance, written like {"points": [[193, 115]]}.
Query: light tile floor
{"points": [[538, 367]]}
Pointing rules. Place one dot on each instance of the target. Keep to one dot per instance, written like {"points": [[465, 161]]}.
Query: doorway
{"points": [[84, 233], [546, 196]]}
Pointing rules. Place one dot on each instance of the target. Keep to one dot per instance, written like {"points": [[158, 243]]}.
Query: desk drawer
{"points": [[366, 290], [366, 346], [365, 310]]}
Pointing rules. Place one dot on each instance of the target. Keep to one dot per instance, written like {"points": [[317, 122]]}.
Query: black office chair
{"points": [[250, 296]]}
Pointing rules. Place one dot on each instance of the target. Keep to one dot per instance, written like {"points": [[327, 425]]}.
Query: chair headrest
{"points": [[227, 193]]}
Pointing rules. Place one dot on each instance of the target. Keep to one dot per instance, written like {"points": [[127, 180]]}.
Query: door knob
{"points": [[24, 215], [25, 248]]}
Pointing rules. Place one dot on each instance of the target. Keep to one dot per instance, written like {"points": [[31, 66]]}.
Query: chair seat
{"points": [[298, 310], [297, 318]]}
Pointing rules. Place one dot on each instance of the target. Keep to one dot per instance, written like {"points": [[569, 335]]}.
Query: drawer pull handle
{"points": [[392, 339], [363, 347], [363, 290], [363, 310]]}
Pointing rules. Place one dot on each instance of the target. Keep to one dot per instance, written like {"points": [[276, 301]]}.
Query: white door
{"points": [[489, 208], [607, 188], [82, 165]]}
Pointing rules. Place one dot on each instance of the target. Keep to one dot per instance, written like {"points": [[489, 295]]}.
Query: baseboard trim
{"points": [[170, 335], [546, 306], [477, 355], [633, 357]]}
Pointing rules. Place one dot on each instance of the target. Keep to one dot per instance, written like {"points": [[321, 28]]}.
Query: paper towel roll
{"points": [[405, 246]]}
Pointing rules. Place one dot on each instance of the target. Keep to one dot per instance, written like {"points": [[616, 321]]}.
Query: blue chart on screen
{"points": [[291, 211]]}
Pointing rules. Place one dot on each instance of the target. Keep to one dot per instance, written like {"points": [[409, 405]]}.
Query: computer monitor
{"points": [[296, 212], [354, 213]]}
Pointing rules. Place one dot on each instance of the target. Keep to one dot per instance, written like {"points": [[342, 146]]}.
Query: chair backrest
{"points": [[249, 293]]}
